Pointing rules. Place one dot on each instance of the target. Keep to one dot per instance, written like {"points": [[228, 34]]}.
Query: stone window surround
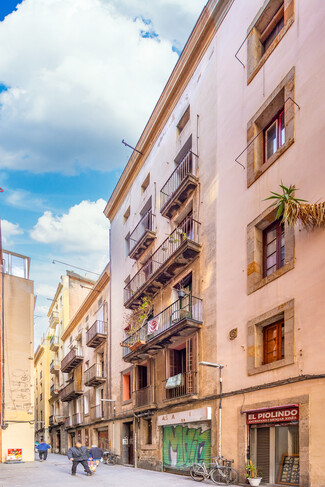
{"points": [[255, 151], [255, 338], [129, 370], [255, 279], [304, 419], [255, 58]]}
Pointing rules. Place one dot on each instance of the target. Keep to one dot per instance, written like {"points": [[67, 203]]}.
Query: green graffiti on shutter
{"points": [[184, 446]]}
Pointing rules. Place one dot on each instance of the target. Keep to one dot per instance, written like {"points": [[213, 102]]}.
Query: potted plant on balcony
{"points": [[136, 320], [252, 474]]}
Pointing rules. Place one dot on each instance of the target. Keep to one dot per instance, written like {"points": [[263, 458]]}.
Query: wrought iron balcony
{"points": [[54, 366], [183, 384], [54, 344], [145, 397], [72, 359], [71, 391], [77, 419], [54, 319], [179, 186], [176, 252], [98, 411], [143, 235], [180, 318], [54, 391], [94, 376], [96, 334]]}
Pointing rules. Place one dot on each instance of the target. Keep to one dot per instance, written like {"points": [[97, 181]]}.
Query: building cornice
{"points": [[100, 284], [38, 353], [204, 31]]}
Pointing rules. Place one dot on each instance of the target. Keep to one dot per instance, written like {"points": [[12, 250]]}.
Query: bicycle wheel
{"points": [[224, 475], [113, 459], [197, 472]]}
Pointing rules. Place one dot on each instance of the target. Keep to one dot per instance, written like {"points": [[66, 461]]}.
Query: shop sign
{"points": [[15, 454], [193, 415], [272, 415], [125, 440]]}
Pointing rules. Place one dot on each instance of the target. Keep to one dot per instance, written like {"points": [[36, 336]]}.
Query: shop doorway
{"points": [[127, 443], [58, 441], [103, 440]]}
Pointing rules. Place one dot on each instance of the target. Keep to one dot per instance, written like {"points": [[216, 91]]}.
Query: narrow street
{"points": [[57, 471]]}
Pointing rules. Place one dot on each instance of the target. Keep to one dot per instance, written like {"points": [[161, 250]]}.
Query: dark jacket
{"points": [[43, 447], [96, 453], [78, 454]]}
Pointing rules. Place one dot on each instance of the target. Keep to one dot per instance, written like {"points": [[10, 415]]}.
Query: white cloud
{"points": [[81, 77], [82, 230], [44, 289], [23, 199], [9, 230]]}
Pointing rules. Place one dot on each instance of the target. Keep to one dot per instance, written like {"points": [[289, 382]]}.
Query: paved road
{"points": [[56, 471]]}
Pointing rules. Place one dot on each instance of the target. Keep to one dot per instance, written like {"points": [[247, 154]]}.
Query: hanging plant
{"points": [[139, 316], [293, 210]]}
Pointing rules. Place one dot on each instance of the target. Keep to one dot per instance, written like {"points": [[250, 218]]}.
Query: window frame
{"points": [[279, 348], [277, 120], [279, 227]]}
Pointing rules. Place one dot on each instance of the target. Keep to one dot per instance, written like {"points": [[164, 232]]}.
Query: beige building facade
{"points": [[42, 389], [201, 270], [17, 390]]}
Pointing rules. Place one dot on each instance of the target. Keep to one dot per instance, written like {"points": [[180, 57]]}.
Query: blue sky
{"points": [[66, 102]]}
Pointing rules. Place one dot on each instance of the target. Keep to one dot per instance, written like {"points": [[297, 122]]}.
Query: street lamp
{"points": [[112, 400], [220, 367]]}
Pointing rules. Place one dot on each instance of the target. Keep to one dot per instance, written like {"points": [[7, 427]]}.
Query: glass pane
{"points": [[271, 260], [271, 248], [287, 444], [282, 130], [271, 235], [271, 140], [271, 270]]}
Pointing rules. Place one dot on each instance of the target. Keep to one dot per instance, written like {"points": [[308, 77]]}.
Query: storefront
{"points": [[273, 439], [186, 438]]}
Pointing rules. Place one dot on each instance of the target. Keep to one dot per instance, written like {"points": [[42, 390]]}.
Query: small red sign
{"points": [[273, 416]]}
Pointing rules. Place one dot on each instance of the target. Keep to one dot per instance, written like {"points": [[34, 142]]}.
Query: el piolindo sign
{"points": [[272, 415]]}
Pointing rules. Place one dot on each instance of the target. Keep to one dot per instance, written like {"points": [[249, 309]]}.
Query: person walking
{"points": [[42, 450], [79, 454], [95, 454]]}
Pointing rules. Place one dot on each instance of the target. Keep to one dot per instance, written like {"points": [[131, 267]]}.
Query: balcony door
{"points": [[181, 366]]}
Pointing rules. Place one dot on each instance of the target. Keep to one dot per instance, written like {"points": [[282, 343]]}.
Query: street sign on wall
{"points": [[272, 415], [190, 416]]}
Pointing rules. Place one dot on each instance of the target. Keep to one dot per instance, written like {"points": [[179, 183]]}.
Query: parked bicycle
{"points": [[221, 472], [110, 458]]}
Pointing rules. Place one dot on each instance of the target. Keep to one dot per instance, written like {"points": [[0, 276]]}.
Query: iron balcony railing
{"points": [[70, 391], [147, 223], [54, 365], [97, 412], [186, 167], [187, 385], [145, 396], [98, 328], [94, 372], [187, 230], [54, 343], [72, 358], [54, 390], [188, 307], [77, 419], [54, 319]]}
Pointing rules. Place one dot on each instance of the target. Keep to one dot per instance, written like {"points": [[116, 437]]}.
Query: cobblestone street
{"points": [[57, 471]]}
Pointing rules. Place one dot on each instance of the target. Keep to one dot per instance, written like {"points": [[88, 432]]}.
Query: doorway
{"points": [[127, 443]]}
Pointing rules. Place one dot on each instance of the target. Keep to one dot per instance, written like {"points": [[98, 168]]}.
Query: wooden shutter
{"points": [[78, 378], [272, 343], [190, 378]]}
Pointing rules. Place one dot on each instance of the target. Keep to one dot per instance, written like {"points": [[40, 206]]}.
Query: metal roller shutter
{"points": [[185, 444], [263, 452]]}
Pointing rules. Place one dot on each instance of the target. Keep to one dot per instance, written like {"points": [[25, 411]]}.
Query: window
{"points": [[266, 31], [145, 183], [183, 121], [126, 384], [86, 403], [148, 424], [274, 136], [270, 250], [41, 397], [271, 131], [126, 214], [271, 339], [142, 376], [273, 248], [41, 372], [273, 342]]}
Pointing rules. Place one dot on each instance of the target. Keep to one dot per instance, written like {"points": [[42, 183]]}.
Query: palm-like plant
{"points": [[293, 210]]}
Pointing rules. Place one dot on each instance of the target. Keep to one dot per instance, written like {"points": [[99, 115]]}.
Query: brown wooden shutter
{"points": [[190, 366], [78, 378]]}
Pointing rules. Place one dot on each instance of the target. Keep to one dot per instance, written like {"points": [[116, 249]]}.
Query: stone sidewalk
{"points": [[56, 471]]}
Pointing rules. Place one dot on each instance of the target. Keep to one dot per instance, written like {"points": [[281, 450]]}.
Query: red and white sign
{"points": [[153, 325], [272, 415]]}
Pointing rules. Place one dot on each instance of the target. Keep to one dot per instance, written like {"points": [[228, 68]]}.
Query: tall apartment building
{"points": [[86, 368], [42, 389], [17, 392], [201, 270], [70, 293]]}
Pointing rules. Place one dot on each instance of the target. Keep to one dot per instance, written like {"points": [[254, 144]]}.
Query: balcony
{"points": [[145, 397], [54, 391], [183, 384], [54, 344], [72, 359], [98, 412], [96, 334], [77, 419], [179, 186], [182, 317], [142, 236], [55, 420], [54, 319], [54, 367], [71, 391], [175, 253], [94, 376]]}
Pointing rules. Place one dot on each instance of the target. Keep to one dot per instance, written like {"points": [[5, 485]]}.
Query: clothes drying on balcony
{"points": [[174, 381]]}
